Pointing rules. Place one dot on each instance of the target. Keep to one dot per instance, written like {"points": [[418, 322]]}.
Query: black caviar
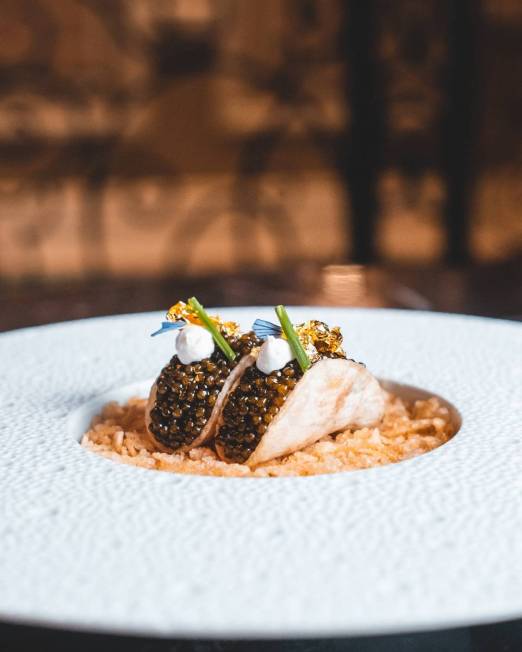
{"points": [[187, 394], [251, 407]]}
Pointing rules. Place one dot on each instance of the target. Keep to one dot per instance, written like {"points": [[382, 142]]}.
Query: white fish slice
{"points": [[334, 394]]}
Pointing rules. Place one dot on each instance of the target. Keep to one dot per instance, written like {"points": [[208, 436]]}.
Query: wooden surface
{"points": [[494, 291]]}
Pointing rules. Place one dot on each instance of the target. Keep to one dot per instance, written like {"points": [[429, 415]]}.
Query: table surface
{"points": [[505, 637], [494, 291]]}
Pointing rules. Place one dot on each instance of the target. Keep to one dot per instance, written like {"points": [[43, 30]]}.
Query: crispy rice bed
{"points": [[407, 430]]}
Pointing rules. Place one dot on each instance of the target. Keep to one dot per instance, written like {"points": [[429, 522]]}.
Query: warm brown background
{"points": [[160, 137]]}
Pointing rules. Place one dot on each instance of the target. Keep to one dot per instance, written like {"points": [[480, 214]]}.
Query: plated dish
{"points": [[431, 542], [276, 400]]}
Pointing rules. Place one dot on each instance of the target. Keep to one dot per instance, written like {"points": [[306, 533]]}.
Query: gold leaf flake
{"points": [[181, 310], [318, 339]]}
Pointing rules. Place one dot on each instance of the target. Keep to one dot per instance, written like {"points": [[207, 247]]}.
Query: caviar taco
{"points": [[186, 399], [301, 388]]}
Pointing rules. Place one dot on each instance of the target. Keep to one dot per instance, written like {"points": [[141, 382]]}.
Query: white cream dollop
{"points": [[194, 343], [274, 354]]}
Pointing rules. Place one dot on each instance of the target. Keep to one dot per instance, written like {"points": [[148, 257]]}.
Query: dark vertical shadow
{"points": [[360, 148], [95, 165], [253, 161], [458, 126]]}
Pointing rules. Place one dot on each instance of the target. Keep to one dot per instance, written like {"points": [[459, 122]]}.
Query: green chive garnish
{"points": [[218, 338], [293, 339]]}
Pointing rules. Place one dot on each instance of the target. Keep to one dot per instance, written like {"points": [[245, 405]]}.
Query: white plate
{"points": [[431, 542]]}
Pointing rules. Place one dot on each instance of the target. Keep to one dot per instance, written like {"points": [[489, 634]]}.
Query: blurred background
{"points": [[325, 151]]}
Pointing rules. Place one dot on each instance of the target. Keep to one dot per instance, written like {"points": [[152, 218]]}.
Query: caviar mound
{"points": [[251, 407], [184, 398]]}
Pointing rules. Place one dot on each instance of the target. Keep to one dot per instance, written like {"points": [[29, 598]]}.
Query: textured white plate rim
{"points": [[494, 334]]}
